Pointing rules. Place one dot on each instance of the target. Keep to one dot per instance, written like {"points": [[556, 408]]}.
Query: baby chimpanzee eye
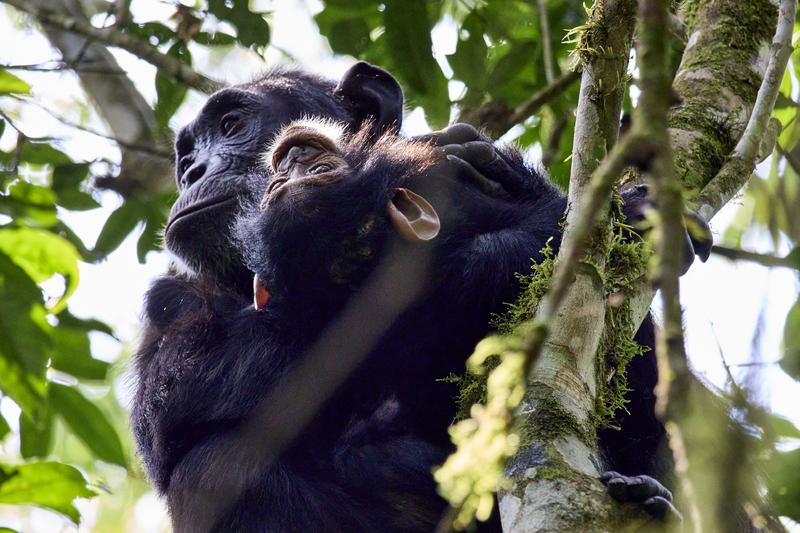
{"points": [[320, 169]]}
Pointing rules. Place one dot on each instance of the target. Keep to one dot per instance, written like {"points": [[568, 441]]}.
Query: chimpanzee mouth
{"points": [[276, 184], [198, 207]]}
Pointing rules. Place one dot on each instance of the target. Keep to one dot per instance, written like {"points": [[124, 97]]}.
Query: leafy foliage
{"points": [[491, 64]]}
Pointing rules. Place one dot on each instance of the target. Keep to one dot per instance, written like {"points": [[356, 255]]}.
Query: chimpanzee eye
{"points": [[230, 124], [320, 169]]}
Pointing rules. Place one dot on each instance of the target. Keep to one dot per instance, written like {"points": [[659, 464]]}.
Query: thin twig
{"points": [[650, 121], [16, 127], [547, 47], [742, 161], [766, 260], [497, 118], [59, 66], [113, 37], [148, 149], [792, 159]]}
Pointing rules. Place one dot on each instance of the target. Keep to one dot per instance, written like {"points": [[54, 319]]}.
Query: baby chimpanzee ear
{"points": [[371, 93], [413, 217]]}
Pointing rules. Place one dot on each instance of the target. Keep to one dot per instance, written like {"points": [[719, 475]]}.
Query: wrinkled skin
{"points": [[216, 153]]}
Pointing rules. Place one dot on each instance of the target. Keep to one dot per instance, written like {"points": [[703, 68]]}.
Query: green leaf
{"points": [[791, 342], [252, 29], [214, 39], [5, 429], [155, 219], [87, 422], [169, 91], [72, 354], [35, 435], [30, 203], [507, 71], [41, 254], [24, 340], [408, 42], [72, 348], [65, 232], [67, 180], [469, 60], [119, 224], [783, 483], [67, 319], [348, 29], [25, 388], [24, 331], [42, 153], [45, 484], [11, 84], [782, 427], [152, 31], [794, 258]]}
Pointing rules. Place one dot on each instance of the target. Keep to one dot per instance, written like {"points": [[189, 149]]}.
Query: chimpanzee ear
{"points": [[413, 217], [372, 93]]}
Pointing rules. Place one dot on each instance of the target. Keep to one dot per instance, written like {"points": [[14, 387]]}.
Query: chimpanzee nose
{"points": [[194, 173]]}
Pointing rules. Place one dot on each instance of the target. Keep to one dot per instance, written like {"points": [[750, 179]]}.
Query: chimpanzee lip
{"points": [[276, 184], [197, 207]]}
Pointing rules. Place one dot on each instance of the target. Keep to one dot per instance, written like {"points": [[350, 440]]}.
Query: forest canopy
{"points": [[92, 93]]}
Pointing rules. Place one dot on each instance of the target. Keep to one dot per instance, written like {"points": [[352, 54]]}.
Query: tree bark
{"points": [[554, 479], [128, 115]]}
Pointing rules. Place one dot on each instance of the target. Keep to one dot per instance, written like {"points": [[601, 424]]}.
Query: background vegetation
{"points": [[506, 65]]}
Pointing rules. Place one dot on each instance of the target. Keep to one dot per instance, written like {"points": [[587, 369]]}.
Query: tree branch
{"points": [[650, 122], [130, 118], [561, 379], [742, 162], [736, 254], [496, 118], [112, 36], [547, 48], [144, 148]]}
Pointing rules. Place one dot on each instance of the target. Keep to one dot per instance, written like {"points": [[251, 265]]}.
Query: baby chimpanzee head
{"points": [[333, 203], [336, 200]]}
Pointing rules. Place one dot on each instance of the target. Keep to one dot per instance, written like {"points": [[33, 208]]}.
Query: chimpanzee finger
{"points": [[661, 508], [700, 233], [635, 488], [468, 172], [455, 134], [483, 156]]}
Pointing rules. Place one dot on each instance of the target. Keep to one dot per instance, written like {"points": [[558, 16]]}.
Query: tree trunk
{"points": [[554, 484]]}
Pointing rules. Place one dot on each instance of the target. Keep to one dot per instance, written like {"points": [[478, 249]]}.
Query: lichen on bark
{"points": [[717, 82]]}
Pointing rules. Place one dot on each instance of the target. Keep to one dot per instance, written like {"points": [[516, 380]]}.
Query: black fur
{"points": [[363, 464], [208, 362], [216, 154]]}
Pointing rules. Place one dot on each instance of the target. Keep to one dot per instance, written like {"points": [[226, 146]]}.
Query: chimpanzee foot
{"points": [[654, 497]]}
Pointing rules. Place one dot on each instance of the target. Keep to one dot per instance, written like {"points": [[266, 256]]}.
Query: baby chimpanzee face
{"points": [[304, 156]]}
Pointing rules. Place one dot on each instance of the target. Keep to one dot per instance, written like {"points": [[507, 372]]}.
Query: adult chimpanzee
{"points": [[388, 257], [215, 153]]}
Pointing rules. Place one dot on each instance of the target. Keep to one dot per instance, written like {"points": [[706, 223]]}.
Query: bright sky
{"points": [[724, 302]]}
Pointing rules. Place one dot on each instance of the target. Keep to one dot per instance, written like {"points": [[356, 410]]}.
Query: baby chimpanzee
{"points": [[377, 267]]}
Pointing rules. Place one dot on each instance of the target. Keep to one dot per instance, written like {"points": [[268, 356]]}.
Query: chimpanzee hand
{"points": [[654, 497], [697, 234], [498, 172]]}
